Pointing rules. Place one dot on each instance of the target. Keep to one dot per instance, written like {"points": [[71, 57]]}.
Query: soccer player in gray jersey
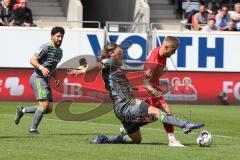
{"points": [[44, 61], [133, 113]]}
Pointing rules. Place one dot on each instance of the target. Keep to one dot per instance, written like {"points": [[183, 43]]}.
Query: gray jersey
{"points": [[48, 56], [116, 83]]}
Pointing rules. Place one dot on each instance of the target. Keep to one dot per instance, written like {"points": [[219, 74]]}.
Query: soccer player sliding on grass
{"points": [[133, 113]]}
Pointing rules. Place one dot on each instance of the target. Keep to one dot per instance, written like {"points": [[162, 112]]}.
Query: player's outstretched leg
{"points": [[133, 138], [104, 139], [192, 125], [187, 126], [20, 111]]}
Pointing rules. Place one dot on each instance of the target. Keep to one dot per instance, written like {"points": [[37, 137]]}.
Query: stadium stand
{"points": [[164, 12], [56, 12], [46, 10]]}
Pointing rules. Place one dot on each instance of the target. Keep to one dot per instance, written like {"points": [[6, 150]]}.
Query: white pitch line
{"points": [[115, 125]]}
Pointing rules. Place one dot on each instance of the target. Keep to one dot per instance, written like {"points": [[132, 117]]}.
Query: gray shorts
{"points": [[41, 88], [134, 115]]}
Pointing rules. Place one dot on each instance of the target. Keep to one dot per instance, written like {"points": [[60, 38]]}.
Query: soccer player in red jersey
{"points": [[155, 67]]}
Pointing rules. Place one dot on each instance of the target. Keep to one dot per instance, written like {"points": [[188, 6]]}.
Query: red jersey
{"points": [[188, 90], [156, 64]]}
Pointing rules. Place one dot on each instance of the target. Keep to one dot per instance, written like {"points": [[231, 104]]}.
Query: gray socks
{"points": [[121, 139], [31, 109], [173, 121], [37, 118]]}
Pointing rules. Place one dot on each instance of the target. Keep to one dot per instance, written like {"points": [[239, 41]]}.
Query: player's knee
{"points": [[44, 103], [154, 111], [169, 113], [46, 106], [137, 140], [48, 110]]}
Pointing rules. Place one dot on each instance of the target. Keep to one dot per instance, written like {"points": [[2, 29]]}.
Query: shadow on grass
{"points": [[17, 137], [73, 134], [154, 143]]}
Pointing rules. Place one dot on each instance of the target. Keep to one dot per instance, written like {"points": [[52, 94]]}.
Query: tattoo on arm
{"points": [[147, 84]]}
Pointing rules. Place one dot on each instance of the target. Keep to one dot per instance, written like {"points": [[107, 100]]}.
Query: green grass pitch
{"points": [[65, 140]]}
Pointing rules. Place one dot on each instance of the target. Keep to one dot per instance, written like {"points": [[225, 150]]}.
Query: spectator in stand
{"points": [[23, 15], [214, 6], [235, 15], [13, 2], [82, 63], [211, 26], [230, 4], [230, 27], [222, 18], [200, 19], [179, 8], [196, 28], [16, 5], [6, 15], [190, 7]]}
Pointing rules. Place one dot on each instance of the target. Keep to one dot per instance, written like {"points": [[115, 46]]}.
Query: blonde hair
{"points": [[174, 41], [107, 49]]}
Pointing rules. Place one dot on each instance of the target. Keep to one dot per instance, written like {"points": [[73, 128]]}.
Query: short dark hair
{"points": [[57, 29], [82, 61]]}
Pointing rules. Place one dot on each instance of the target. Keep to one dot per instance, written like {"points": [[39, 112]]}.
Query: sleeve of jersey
{"points": [[41, 51], [149, 66], [150, 62]]}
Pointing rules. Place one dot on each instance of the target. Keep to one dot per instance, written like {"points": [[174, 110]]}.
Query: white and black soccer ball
{"points": [[204, 138]]}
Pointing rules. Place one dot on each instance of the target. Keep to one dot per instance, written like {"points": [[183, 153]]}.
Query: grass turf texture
{"points": [[62, 140]]}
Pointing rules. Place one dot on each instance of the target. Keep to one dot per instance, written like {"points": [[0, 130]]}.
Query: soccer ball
{"points": [[204, 138]]}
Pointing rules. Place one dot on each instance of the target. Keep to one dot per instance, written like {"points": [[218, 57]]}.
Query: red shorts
{"points": [[155, 101]]}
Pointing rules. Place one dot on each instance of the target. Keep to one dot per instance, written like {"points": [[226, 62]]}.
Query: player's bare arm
{"points": [[148, 86], [34, 62], [99, 66]]}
